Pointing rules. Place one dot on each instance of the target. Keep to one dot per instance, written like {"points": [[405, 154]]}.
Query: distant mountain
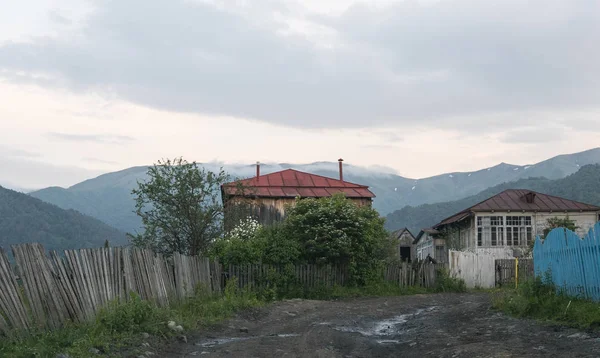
{"points": [[27, 219], [583, 186], [108, 197]]}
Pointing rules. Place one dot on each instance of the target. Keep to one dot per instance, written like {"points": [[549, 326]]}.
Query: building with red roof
{"points": [[269, 194], [510, 219]]}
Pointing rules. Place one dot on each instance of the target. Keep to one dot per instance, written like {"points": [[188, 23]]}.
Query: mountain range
{"points": [[583, 186], [27, 219], [108, 197]]}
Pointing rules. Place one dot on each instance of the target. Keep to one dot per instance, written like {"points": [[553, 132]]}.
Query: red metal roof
{"points": [[292, 183], [516, 200]]}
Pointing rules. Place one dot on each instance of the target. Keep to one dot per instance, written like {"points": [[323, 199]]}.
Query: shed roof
{"points": [[291, 183], [399, 233], [429, 231], [520, 200]]}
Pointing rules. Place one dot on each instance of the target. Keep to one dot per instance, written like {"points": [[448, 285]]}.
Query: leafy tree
{"points": [[555, 222], [334, 230], [316, 231], [552, 223], [180, 207]]}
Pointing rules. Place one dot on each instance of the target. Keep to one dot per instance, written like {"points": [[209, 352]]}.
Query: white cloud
{"points": [[422, 87]]}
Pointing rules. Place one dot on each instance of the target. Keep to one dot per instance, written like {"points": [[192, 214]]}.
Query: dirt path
{"points": [[449, 325]]}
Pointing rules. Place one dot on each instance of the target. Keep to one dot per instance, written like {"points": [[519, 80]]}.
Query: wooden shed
{"points": [[266, 196]]}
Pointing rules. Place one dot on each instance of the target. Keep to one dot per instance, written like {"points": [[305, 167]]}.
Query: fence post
{"points": [[516, 272]]}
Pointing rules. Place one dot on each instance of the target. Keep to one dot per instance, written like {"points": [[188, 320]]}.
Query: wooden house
{"points": [[512, 219], [265, 197]]}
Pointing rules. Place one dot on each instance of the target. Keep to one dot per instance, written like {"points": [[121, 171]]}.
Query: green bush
{"points": [[135, 315], [325, 231], [446, 283]]}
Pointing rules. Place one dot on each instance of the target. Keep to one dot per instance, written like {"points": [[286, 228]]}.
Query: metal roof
{"points": [[291, 183], [521, 200]]}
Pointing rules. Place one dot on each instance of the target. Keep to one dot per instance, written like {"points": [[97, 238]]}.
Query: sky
{"points": [[419, 87]]}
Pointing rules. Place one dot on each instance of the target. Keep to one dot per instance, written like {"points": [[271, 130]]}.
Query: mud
{"points": [[446, 325]]}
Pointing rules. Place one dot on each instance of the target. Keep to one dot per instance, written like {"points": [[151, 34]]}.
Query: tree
{"points": [[555, 222], [551, 224], [335, 231], [180, 207]]}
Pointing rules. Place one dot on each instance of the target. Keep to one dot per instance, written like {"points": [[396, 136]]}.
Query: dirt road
{"points": [[445, 325]]}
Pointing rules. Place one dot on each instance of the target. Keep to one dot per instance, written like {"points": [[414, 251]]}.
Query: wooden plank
{"points": [[29, 285], [12, 302]]}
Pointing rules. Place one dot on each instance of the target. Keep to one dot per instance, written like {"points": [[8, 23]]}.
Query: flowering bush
{"points": [[245, 230]]}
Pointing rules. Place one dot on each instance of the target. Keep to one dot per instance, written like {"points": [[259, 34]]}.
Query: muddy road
{"points": [[444, 325]]}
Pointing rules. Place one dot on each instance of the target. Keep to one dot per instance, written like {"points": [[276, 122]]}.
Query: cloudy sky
{"points": [[423, 87]]}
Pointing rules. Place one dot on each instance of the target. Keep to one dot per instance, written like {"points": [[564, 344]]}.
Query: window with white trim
{"points": [[490, 231], [519, 231]]}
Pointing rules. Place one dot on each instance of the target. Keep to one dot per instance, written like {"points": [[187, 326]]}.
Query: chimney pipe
{"points": [[341, 170], [257, 169]]}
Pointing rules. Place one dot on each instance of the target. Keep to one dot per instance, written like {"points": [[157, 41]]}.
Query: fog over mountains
{"points": [[108, 197]]}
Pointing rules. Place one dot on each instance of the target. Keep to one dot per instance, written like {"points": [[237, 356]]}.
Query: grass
{"points": [[540, 300], [117, 329], [284, 287]]}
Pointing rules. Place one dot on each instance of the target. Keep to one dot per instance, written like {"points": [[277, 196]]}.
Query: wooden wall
{"points": [[266, 210]]}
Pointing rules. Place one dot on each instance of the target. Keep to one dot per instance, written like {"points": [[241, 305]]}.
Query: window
{"points": [[490, 231], [519, 231], [439, 253]]}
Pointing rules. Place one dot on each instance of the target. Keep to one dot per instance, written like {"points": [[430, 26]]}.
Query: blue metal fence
{"points": [[572, 262]]}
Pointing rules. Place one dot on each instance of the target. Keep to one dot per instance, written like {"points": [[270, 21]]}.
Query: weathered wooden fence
{"points": [[477, 269], [572, 262], [44, 291], [405, 274], [311, 276], [506, 271], [308, 276], [74, 287]]}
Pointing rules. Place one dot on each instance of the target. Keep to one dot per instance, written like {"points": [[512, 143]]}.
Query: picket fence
{"points": [[311, 276], [573, 263], [47, 291], [406, 275], [307, 276]]}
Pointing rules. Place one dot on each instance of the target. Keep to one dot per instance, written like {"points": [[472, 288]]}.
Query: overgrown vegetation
{"points": [[117, 330], [325, 231], [538, 298]]}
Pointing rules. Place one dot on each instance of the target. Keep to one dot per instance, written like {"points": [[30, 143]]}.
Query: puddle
{"points": [[387, 327], [220, 341]]}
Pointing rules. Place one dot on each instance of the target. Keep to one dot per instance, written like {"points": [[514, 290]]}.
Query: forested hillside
{"points": [[108, 197], [27, 219], [582, 186]]}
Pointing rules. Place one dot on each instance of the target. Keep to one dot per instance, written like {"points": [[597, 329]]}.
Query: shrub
{"points": [[336, 231], [446, 283]]}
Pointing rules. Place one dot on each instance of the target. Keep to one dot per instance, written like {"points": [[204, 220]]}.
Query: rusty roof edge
{"points": [[297, 171]]}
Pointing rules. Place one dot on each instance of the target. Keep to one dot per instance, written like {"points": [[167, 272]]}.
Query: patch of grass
{"points": [[539, 299], [119, 326], [446, 283]]}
